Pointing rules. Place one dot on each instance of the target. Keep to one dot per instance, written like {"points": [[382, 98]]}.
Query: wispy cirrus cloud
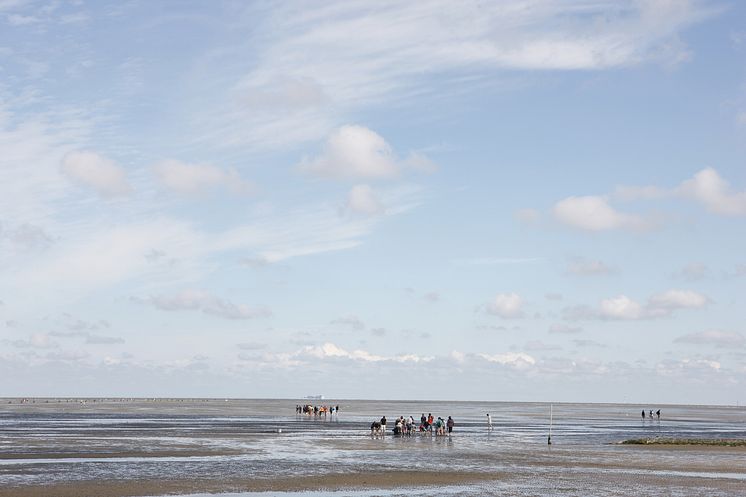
{"points": [[315, 65]]}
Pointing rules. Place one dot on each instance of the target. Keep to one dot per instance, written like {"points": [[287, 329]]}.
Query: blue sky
{"points": [[527, 200]]}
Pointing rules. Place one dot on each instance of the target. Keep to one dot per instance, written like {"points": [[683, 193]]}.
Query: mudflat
{"points": [[154, 448]]}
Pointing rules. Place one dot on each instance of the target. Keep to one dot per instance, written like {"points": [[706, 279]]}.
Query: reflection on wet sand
{"points": [[188, 446]]}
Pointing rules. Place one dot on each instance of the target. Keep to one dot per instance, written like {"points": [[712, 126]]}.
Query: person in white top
{"points": [[489, 422]]}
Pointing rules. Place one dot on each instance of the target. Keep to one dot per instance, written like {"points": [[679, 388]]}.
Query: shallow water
{"points": [[59, 441]]}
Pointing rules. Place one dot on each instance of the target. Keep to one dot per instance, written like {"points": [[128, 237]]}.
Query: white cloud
{"points": [[717, 338], [676, 299], [97, 172], [354, 152], [506, 305], [363, 200], [623, 307], [711, 190], [332, 351], [207, 303], [685, 367], [706, 187], [304, 80], [196, 178], [593, 213], [517, 360]]}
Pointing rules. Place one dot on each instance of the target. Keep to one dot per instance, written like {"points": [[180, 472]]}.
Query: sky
{"points": [[528, 200]]}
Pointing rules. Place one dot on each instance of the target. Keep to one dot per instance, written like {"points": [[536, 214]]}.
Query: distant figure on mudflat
{"points": [[375, 428], [449, 424], [643, 414], [489, 422], [658, 413], [383, 425]]}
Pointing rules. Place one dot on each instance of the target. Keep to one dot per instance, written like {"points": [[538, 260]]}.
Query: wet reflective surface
{"points": [[43, 443]]}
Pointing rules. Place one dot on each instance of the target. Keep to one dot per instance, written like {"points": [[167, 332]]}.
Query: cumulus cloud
{"points": [[356, 152], [623, 307], [670, 300], [706, 187], [517, 360], [362, 200], [594, 213], [198, 178], [620, 307], [687, 367], [332, 351], [92, 170], [709, 189], [717, 338], [202, 301], [506, 305]]}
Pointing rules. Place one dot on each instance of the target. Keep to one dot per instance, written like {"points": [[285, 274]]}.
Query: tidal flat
{"points": [[155, 447]]}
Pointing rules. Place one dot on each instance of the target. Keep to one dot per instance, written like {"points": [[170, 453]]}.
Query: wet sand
{"points": [[198, 447], [186, 486], [560, 479]]}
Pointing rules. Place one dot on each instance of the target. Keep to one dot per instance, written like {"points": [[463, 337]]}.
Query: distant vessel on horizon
{"points": [[314, 397]]}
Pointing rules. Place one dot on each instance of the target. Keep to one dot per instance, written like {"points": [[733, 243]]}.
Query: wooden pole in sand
{"points": [[549, 438]]}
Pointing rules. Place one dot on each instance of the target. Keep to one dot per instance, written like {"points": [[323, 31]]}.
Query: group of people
{"points": [[407, 426], [657, 413], [311, 410]]}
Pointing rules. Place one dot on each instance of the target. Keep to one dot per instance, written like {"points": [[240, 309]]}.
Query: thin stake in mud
{"points": [[549, 438]]}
